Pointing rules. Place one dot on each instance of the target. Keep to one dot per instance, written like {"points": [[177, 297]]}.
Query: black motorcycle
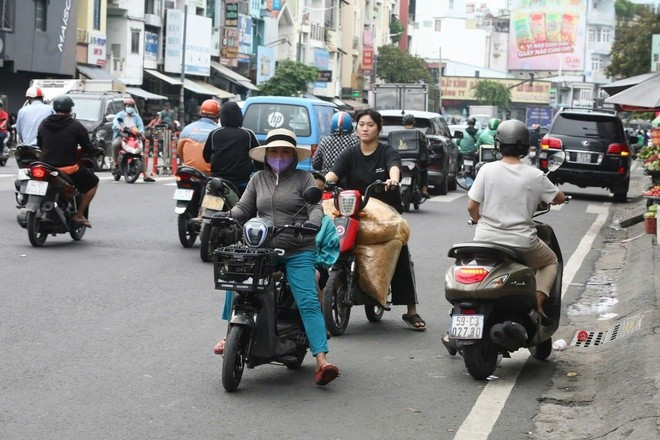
{"points": [[413, 148], [188, 195], [221, 195], [468, 170], [52, 204], [265, 326]]}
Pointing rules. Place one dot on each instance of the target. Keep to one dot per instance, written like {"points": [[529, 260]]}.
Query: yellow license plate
{"points": [[213, 202]]}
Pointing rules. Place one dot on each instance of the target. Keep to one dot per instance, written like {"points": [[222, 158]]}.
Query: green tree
{"points": [[395, 65], [493, 93], [396, 29], [290, 79], [631, 51]]}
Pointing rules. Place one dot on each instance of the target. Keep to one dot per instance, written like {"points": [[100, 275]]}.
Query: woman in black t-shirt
{"points": [[358, 167]]}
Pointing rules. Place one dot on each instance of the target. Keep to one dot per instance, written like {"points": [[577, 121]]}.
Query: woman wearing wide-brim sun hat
{"points": [[276, 193]]}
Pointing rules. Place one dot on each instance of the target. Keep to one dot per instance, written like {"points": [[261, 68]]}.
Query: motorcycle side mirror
{"points": [[555, 161], [110, 118], [313, 194], [458, 134]]}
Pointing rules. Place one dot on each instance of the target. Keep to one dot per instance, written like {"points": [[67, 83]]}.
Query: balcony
{"points": [[153, 20], [601, 18], [601, 48], [317, 33]]}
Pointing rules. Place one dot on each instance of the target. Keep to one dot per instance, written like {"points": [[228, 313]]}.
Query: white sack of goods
{"points": [[382, 233]]}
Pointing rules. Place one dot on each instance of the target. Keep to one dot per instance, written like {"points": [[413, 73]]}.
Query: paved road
{"points": [[111, 337]]}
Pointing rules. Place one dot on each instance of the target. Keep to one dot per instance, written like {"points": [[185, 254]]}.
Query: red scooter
{"points": [[342, 290], [131, 163]]}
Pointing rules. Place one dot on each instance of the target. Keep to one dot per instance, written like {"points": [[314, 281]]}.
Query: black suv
{"points": [[96, 110], [597, 151], [443, 166]]}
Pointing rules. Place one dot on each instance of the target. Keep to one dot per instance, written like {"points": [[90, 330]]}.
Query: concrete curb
{"points": [[611, 391]]}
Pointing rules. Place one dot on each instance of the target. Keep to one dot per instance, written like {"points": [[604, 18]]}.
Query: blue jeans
{"points": [[301, 275]]}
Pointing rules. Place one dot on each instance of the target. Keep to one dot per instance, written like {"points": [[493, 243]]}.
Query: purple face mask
{"points": [[279, 164]]}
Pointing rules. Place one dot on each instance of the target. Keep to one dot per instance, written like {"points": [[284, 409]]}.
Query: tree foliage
{"points": [[395, 65], [396, 29], [631, 51], [493, 93], [290, 79]]}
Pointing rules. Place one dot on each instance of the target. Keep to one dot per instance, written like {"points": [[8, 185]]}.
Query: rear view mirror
{"points": [[556, 160], [313, 194], [110, 118]]}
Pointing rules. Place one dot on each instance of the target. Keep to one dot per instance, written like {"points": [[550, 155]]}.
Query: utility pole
{"points": [[183, 67]]}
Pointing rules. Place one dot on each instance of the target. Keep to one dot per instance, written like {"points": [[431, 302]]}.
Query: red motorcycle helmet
{"points": [[129, 101], [210, 108]]}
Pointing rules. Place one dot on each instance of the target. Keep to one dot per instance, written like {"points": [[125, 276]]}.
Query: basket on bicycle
{"points": [[241, 268]]}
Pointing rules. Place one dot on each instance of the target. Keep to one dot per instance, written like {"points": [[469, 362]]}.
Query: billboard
{"points": [[547, 35], [96, 48], [198, 44], [244, 37], [462, 87]]}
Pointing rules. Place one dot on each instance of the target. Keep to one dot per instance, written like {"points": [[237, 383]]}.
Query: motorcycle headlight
{"points": [[257, 231]]}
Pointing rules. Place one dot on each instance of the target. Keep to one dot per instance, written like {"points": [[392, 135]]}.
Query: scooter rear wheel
{"points": [[36, 237], [542, 350], [234, 359], [187, 235], [480, 359], [208, 240]]}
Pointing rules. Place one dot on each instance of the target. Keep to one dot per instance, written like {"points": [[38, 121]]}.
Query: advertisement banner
{"points": [[198, 44], [655, 53], [539, 115], [367, 59], [96, 43], [229, 46], [265, 63], [231, 13], [321, 61], [547, 35], [462, 88], [150, 46], [245, 35]]}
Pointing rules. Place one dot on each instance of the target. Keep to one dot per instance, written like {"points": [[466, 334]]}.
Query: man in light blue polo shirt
{"points": [[29, 117]]}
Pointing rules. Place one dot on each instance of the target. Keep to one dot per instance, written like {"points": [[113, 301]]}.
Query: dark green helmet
{"points": [[63, 104], [493, 124]]}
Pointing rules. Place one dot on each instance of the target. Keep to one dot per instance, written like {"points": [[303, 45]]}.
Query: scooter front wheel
{"points": [[480, 359], [133, 170], [335, 294], [234, 358]]}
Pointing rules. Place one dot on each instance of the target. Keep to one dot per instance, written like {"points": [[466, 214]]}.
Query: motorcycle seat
{"points": [[191, 170], [476, 248]]}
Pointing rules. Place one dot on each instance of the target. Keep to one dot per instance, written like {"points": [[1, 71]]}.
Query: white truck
{"points": [[57, 87], [483, 113], [393, 96]]}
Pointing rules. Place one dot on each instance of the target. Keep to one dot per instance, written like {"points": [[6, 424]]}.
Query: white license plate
{"points": [[468, 162], [466, 326], [36, 188], [23, 174], [584, 157], [406, 181], [213, 202], [183, 194]]}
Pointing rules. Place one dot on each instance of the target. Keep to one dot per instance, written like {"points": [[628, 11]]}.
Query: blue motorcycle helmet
{"points": [[341, 123]]}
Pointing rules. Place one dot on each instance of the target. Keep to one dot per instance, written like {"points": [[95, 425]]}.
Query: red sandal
{"points": [[326, 374]]}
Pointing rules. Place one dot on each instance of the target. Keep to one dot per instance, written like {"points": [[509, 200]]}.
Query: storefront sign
{"points": [[547, 35], [96, 49], [324, 76], [245, 34], [231, 13], [150, 46], [198, 44], [462, 88], [321, 61], [539, 115], [367, 59], [229, 46]]}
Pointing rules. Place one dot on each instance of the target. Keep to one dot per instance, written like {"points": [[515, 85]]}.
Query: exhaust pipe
{"points": [[509, 335]]}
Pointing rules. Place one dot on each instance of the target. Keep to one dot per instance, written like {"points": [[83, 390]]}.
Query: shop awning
{"points": [[623, 84], [136, 91], [643, 97], [97, 73], [233, 76], [161, 76], [202, 88]]}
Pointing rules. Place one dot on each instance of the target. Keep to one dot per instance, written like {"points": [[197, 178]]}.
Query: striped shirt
{"points": [[330, 148]]}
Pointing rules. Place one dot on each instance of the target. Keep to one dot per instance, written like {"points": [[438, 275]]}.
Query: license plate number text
{"points": [[213, 202], [37, 188], [467, 326], [406, 181], [183, 194]]}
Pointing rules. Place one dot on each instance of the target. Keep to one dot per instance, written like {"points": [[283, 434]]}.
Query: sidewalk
{"points": [[610, 391]]}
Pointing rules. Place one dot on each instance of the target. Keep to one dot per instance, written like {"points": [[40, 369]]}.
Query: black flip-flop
{"points": [[411, 320]]}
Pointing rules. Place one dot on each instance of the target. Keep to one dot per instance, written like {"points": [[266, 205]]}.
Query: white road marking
{"points": [[14, 175], [488, 407], [446, 199]]}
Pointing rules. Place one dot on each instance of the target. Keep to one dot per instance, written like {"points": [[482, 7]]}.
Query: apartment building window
{"points": [[605, 35], [596, 64], [591, 36], [585, 95], [97, 15], [6, 15], [438, 25], [135, 42], [40, 16]]}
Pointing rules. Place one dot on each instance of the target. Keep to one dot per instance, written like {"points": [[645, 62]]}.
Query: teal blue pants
{"points": [[301, 275]]}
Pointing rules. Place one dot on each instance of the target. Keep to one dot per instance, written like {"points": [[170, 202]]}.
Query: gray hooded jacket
{"points": [[279, 198]]}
